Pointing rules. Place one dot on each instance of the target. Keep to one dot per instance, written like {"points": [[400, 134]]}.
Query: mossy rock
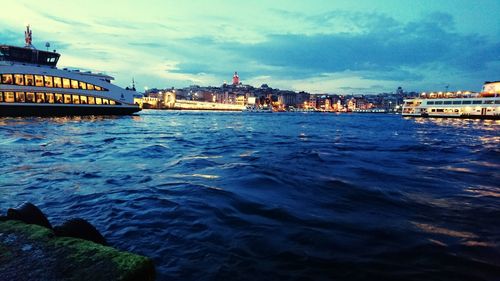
{"points": [[32, 252]]}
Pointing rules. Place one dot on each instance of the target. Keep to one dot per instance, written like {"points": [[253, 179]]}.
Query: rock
{"points": [[50, 257], [30, 214], [80, 228]]}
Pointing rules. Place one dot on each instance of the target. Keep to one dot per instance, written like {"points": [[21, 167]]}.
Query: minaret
{"points": [[236, 78]]}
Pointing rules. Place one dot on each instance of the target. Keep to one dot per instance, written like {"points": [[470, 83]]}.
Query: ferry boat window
{"points": [[30, 81], [489, 101], [83, 99], [7, 79], [49, 97], [82, 85], [67, 98], [66, 83], [457, 102], [76, 99], [97, 88], [98, 101], [9, 96], [57, 82], [497, 102], [39, 80], [90, 87], [20, 97], [439, 102], [105, 101], [439, 110], [447, 102], [40, 98], [74, 84], [430, 102], [466, 102], [30, 97], [477, 102], [19, 79], [1, 97], [58, 98], [112, 102], [91, 100], [48, 81]]}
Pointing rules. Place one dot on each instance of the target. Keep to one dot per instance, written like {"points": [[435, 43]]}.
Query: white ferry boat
{"points": [[483, 105], [32, 85]]}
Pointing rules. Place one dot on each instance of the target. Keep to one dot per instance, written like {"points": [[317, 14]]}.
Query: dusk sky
{"points": [[343, 47]]}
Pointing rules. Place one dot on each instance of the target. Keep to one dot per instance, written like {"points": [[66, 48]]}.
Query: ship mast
{"points": [[28, 37]]}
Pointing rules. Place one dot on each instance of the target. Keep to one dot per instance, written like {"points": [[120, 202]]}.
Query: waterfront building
{"points": [[236, 79]]}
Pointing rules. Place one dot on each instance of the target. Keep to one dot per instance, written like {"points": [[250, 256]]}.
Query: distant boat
{"points": [[258, 109], [484, 105], [32, 85]]}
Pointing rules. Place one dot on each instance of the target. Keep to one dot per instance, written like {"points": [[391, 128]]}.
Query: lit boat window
{"points": [[9, 96], [105, 101], [20, 97], [98, 101], [83, 99], [7, 79], [74, 84], [29, 80], [112, 102], [67, 98], [39, 80], [40, 98], [57, 82], [76, 99], [91, 100], [59, 98], [97, 88], [30, 97], [66, 83], [48, 81], [1, 97], [19, 79], [82, 85], [90, 87], [49, 97]]}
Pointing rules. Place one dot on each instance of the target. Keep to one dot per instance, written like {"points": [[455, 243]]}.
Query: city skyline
{"points": [[319, 47]]}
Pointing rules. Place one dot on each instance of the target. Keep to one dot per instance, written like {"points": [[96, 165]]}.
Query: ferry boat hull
{"points": [[23, 110]]}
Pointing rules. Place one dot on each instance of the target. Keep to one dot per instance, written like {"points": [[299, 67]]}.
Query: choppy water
{"points": [[234, 196]]}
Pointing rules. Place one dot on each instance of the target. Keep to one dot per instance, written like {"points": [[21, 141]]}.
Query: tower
{"points": [[28, 37], [236, 78]]}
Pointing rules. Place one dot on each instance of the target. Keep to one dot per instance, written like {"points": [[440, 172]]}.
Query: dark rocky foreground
{"points": [[33, 252]]}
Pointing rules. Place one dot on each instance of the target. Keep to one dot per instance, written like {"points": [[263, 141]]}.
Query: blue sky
{"points": [[318, 46]]}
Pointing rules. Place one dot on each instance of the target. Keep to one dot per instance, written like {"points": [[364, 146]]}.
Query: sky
{"points": [[343, 47]]}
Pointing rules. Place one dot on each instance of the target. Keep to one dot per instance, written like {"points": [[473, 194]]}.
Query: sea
{"points": [[282, 196]]}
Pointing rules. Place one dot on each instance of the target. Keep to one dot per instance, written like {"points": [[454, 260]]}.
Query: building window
{"points": [[76, 99], [20, 97], [7, 79], [83, 99], [430, 102], [39, 80], [30, 97], [90, 87], [439, 102], [66, 83], [98, 101], [82, 85], [457, 102], [466, 102], [477, 102], [48, 81], [447, 102], [67, 98], [19, 79], [30, 81], [40, 98], [9, 96], [74, 84], [57, 82], [49, 97], [59, 98]]}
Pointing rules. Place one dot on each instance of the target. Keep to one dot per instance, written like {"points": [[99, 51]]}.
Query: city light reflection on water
{"points": [[300, 196]]}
